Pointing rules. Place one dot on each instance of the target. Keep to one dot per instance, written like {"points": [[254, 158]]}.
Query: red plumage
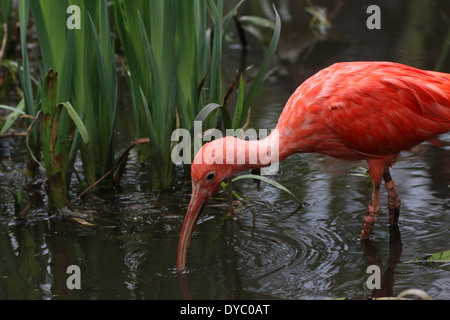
{"points": [[354, 110], [367, 110]]}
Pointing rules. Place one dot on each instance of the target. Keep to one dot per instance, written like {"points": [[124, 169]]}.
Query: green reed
{"points": [[78, 68], [174, 61], [95, 88], [174, 54], [147, 31]]}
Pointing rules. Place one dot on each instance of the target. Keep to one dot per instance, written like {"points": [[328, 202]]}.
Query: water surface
{"points": [[276, 249]]}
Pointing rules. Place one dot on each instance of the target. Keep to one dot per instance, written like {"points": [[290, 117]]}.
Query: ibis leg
{"points": [[372, 212], [394, 201], [376, 169]]}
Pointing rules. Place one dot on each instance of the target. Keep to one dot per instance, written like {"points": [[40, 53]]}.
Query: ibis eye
{"points": [[211, 176]]}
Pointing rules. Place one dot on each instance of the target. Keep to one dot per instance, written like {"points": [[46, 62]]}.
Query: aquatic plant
{"points": [[174, 61], [79, 71], [55, 141], [147, 31], [95, 89]]}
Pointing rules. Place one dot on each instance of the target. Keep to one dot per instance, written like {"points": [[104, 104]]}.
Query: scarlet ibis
{"points": [[354, 110]]}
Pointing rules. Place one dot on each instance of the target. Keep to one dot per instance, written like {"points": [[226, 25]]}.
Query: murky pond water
{"points": [[126, 246]]}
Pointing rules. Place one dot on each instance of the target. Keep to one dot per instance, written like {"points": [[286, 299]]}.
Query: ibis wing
{"points": [[388, 114]]}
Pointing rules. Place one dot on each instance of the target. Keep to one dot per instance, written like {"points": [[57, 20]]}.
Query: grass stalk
{"points": [[174, 61], [171, 53], [147, 31], [55, 150], [95, 88], [90, 87], [25, 79]]}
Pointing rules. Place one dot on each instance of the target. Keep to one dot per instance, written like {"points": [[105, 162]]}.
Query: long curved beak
{"points": [[198, 199]]}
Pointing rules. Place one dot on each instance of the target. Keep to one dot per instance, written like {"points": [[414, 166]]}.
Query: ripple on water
{"points": [[298, 261]]}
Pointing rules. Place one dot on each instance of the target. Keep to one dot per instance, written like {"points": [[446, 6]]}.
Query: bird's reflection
{"points": [[373, 258], [370, 253], [183, 285]]}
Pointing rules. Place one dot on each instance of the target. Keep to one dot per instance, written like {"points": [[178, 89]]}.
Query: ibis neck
{"points": [[262, 153]]}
